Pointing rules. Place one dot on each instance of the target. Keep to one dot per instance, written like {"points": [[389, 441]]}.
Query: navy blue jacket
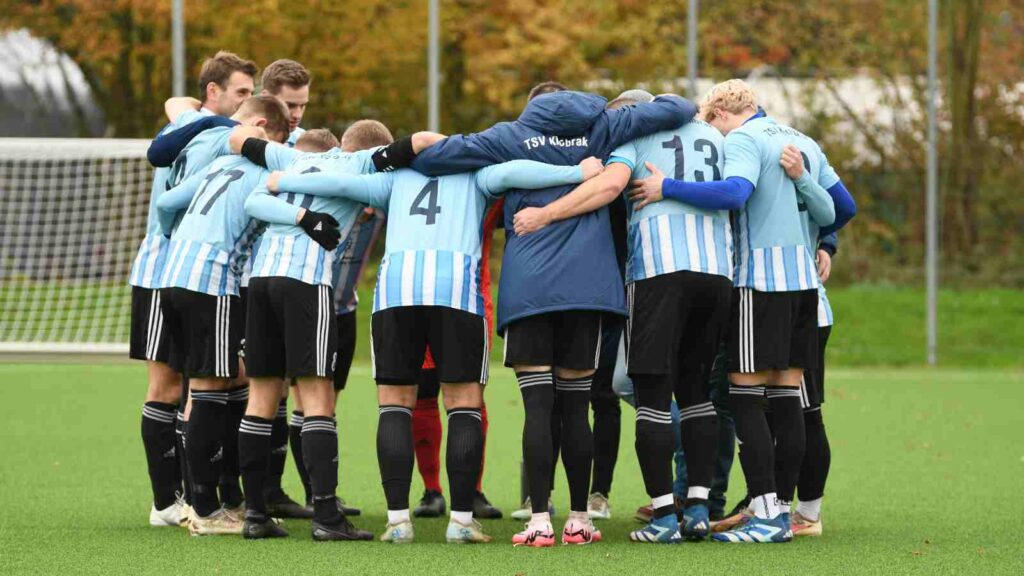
{"points": [[569, 265]]}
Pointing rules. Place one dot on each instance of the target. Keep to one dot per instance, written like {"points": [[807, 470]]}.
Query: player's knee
{"points": [[264, 397], [465, 395], [394, 395], [570, 373], [790, 378], [524, 368], [164, 384], [317, 396]]}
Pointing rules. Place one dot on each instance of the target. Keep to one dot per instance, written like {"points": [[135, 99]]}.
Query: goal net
{"points": [[72, 215]]}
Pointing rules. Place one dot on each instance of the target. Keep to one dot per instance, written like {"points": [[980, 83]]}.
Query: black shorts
{"points": [[427, 384], [458, 342], [773, 330], [205, 332], [149, 339], [290, 331], [346, 348], [676, 320], [813, 389], [568, 339], [243, 297]]}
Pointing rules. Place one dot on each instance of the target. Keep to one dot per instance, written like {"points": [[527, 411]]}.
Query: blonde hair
{"points": [[732, 95]]}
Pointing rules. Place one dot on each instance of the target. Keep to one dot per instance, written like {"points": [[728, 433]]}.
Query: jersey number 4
{"points": [[229, 177], [431, 210], [705, 147]]}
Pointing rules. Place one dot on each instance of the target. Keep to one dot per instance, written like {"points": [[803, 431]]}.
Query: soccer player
{"points": [[289, 81], [199, 300], [678, 275], [225, 81], [772, 333], [556, 284], [290, 330], [428, 294]]}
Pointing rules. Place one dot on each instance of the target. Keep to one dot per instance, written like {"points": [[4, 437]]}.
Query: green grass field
{"points": [[926, 479]]}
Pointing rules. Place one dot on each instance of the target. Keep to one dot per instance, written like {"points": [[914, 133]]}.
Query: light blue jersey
{"points": [[434, 238], [349, 266], [294, 136], [149, 262], [670, 236], [772, 249], [215, 236], [285, 249], [825, 317]]}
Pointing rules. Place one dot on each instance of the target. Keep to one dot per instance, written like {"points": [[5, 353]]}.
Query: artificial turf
{"points": [[927, 472]]}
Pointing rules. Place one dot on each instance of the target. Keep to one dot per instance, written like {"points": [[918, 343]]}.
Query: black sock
{"points": [[203, 438], [278, 450], [817, 457], [607, 429], [538, 393], [757, 452], [158, 439], [790, 439], [320, 453], [577, 440], [395, 454], [464, 453], [229, 485], [295, 439], [556, 435], [183, 475], [655, 439], [699, 432], [254, 434]]}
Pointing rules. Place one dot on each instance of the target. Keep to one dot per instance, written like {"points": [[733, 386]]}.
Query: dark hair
{"points": [[545, 88], [284, 73], [271, 108], [365, 134], [320, 139], [220, 68]]}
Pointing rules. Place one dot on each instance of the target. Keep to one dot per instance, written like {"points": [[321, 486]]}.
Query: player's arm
{"points": [[463, 153], [587, 197], [165, 148], [175, 200], [842, 200], [258, 150], [178, 105], [827, 247], [532, 175], [372, 189], [818, 202], [401, 152], [664, 113], [322, 228]]}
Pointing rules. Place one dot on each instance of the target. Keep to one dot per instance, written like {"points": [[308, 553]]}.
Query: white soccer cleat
{"points": [[598, 507], [399, 533], [173, 515], [472, 533], [220, 522]]}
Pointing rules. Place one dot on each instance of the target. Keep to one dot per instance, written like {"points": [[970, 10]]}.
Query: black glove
{"points": [[322, 228]]}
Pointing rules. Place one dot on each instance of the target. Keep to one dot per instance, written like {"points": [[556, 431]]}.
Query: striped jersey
{"points": [[350, 264], [285, 249], [771, 231], [215, 235], [825, 317], [435, 226], [149, 261], [670, 236]]}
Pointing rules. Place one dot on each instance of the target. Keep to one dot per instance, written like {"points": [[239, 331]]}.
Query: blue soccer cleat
{"points": [[664, 530], [696, 523], [758, 531]]}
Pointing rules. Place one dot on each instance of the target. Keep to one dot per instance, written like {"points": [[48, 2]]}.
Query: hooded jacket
{"points": [[568, 265]]}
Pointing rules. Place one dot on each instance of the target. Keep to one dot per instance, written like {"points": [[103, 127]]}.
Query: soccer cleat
{"points": [[737, 517], [348, 510], [580, 532], [801, 526], [664, 530], [598, 507], [281, 506], [758, 531], [695, 525], [483, 509], [526, 511], [236, 511], [399, 533], [542, 536], [432, 505], [173, 515], [342, 531], [473, 533], [644, 514], [219, 522], [261, 528]]}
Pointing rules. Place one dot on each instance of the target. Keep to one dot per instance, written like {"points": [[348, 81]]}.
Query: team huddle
{"points": [[676, 263]]}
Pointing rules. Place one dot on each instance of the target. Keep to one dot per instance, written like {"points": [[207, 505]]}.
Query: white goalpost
{"points": [[72, 215]]}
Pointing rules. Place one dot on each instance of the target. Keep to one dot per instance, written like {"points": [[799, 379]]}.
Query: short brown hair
{"points": [[365, 134], [271, 108], [318, 139], [545, 88], [284, 73], [220, 68]]}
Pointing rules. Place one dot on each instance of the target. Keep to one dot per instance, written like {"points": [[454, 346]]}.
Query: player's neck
{"points": [[206, 106]]}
